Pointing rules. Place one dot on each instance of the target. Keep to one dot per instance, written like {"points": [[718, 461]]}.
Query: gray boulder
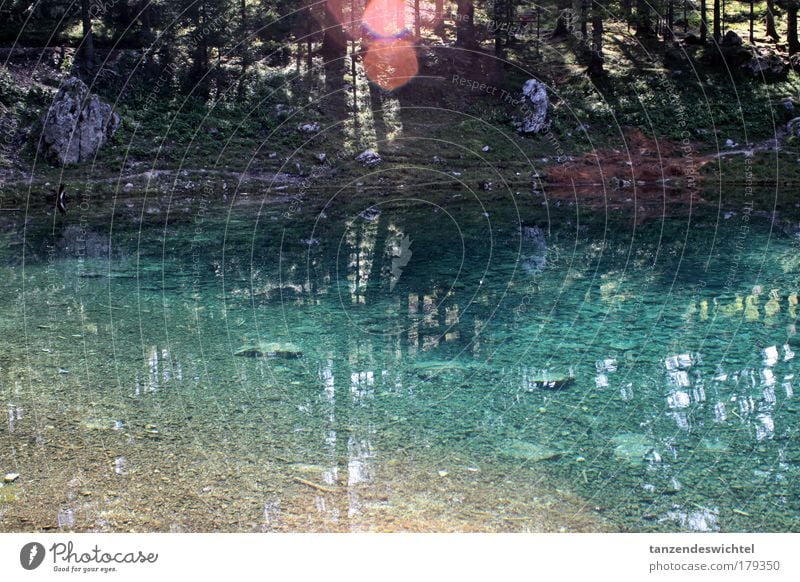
{"points": [[533, 107], [793, 127], [770, 66], [369, 158], [731, 39], [77, 124]]}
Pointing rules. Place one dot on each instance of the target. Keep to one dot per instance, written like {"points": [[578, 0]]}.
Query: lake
{"points": [[396, 361]]}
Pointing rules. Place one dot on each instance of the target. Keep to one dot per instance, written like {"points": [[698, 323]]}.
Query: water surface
{"points": [[433, 330]]}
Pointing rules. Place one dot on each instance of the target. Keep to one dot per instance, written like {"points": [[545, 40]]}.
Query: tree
{"points": [[791, 7], [564, 18], [668, 35], [596, 56], [703, 21], [87, 46], [465, 23], [716, 23], [771, 30], [644, 22]]}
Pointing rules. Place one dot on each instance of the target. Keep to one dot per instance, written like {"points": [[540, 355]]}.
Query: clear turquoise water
{"points": [[415, 403]]}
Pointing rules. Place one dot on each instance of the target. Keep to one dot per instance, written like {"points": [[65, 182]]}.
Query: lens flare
{"points": [[385, 18], [391, 63]]}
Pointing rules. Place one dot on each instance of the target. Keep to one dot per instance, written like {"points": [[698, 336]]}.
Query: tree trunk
{"points": [[596, 59], [584, 20], [465, 25], [703, 21], [627, 12], [563, 19], [88, 36], [333, 52], [498, 18], [417, 23], [771, 30], [791, 27], [670, 20], [717, 34], [752, 15], [147, 24], [644, 23], [245, 30]]}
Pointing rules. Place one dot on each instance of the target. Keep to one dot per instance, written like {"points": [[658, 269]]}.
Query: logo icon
{"points": [[31, 555], [400, 260]]}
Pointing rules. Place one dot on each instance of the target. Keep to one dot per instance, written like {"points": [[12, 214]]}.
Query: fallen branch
{"points": [[314, 485]]}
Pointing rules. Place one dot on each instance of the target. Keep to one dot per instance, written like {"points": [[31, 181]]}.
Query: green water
{"points": [[427, 325]]}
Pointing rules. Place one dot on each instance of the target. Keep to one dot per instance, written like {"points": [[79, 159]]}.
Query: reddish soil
{"points": [[648, 176]]}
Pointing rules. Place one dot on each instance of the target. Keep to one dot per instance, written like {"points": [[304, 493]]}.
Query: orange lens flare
{"points": [[385, 18], [391, 63]]}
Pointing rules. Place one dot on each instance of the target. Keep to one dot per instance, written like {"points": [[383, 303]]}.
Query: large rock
{"points": [[769, 66], [633, 448], [793, 127], [77, 124], [533, 108], [286, 350], [731, 39], [530, 452]]}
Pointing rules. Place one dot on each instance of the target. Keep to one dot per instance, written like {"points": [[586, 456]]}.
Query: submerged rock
{"points": [[77, 124], [549, 381], [713, 445], [531, 452], [633, 448], [10, 477], [286, 350], [427, 370]]}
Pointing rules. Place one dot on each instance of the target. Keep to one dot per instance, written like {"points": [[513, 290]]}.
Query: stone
{"points": [[77, 124], [714, 445], [530, 452], [128, 187], [769, 66], [549, 381], [731, 39], [533, 107], [486, 148], [322, 158], [282, 111], [793, 127], [285, 350], [308, 128], [10, 477], [632, 447], [369, 158]]}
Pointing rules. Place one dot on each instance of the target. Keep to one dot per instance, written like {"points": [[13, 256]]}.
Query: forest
{"points": [[193, 75]]}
